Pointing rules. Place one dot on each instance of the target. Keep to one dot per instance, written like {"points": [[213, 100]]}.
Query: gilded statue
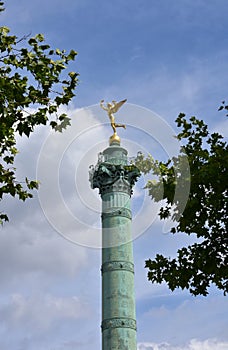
{"points": [[111, 108]]}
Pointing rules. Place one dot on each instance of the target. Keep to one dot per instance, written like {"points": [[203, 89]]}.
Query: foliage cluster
{"points": [[34, 83], [205, 262]]}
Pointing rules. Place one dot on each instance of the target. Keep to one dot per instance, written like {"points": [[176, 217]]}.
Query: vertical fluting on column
{"points": [[115, 179]]}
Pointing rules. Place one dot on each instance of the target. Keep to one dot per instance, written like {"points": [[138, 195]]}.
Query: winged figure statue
{"points": [[111, 108]]}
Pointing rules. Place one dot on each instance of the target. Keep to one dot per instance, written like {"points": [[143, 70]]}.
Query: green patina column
{"points": [[114, 178]]}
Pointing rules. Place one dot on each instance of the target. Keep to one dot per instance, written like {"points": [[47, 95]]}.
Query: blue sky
{"points": [[163, 56]]}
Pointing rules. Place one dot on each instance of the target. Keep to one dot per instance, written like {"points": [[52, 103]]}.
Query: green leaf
{"points": [[39, 37]]}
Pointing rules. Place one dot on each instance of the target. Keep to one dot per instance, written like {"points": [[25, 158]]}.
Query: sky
{"points": [[165, 57]]}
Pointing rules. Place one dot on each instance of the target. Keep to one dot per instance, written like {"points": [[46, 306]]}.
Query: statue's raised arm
{"points": [[102, 105]]}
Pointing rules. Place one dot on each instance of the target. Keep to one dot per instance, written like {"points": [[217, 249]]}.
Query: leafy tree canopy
{"points": [[205, 262], [34, 83]]}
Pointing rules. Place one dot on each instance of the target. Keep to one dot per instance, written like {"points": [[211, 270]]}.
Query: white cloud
{"points": [[41, 311], [178, 311], [32, 247], [46, 275], [193, 344], [44, 320], [222, 128]]}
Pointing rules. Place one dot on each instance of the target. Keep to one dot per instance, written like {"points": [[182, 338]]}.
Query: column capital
{"points": [[114, 177]]}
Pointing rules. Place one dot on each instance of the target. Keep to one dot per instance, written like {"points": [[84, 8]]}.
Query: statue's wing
{"points": [[118, 105]]}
